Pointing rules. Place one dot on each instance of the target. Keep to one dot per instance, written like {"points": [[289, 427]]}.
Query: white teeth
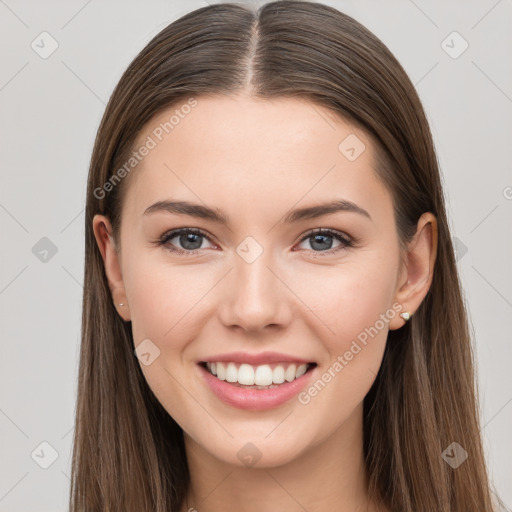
{"points": [[301, 370], [278, 375], [262, 375], [221, 371], [245, 374], [231, 373], [290, 372]]}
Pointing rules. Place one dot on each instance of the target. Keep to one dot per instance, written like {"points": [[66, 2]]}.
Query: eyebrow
{"points": [[216, 215]]}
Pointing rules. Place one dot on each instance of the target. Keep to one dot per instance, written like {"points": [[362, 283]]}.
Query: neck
{"points": [[329, 475]]}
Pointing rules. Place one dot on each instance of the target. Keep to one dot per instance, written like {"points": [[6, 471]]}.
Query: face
{"points": [[260, 278]]}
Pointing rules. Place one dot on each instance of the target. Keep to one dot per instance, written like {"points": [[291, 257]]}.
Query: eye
{"points": [[321, 240], [190, 239]]}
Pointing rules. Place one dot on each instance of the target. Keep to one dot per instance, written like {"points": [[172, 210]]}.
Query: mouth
{"points": [[265, 376]]}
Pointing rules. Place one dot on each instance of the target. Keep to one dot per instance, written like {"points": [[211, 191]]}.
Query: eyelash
{"points": [[347, 243]]}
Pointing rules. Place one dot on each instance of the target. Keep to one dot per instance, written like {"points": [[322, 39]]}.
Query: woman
{"points": [[272, 314]]}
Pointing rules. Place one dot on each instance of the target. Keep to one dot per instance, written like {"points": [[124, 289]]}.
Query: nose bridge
{"points": [[256, 297]]}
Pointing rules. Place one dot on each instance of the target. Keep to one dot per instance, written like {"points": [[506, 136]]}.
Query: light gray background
{"points": [[50, 110]]}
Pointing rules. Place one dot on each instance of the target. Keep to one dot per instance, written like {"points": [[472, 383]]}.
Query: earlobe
{"points": [[103, 233], [418, 273]]}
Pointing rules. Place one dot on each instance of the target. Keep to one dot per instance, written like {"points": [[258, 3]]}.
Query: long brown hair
{"points": [[128, 452]]}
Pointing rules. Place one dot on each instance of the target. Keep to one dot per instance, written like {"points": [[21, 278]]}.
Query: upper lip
{"points": [[255, 359]]}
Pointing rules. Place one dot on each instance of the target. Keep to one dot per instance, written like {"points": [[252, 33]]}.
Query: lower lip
{"points": [[253, 399]]}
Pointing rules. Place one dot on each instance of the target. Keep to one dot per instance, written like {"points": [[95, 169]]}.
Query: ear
{"points": [[103, 234], [418, 268]]}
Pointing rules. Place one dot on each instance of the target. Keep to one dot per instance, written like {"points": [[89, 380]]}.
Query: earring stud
{"points": [[120, 304], [405, 315]]}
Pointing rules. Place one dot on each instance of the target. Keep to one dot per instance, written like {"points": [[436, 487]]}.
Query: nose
{"points": [[255, 297]]}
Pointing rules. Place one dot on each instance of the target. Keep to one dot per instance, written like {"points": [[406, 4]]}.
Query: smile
{"points": [[255, 387], [261, 376]]}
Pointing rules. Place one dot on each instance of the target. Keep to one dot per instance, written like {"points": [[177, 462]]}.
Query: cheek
{"points": [[166, 299], [164, 303], [349, 298], [156, 294], [354, 301]]}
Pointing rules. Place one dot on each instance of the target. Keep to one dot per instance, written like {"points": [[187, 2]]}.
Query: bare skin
{"points": [[255, 160]]}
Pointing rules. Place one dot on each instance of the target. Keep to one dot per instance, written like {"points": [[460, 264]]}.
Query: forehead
{"points": [[249, 152]]}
